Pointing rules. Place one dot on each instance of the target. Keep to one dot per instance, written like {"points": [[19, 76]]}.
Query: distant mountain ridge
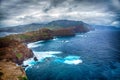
{"points": [[22, 28], [51, 25], [102, 27], [65, 23]]}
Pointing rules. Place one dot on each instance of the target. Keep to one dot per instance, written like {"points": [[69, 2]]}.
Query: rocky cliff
{"points": [[13, 52], [71, 31]]}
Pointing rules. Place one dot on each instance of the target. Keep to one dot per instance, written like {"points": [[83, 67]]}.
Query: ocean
{"points": [[94, 55]]}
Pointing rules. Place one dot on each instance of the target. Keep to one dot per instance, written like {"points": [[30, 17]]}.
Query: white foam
{"points": [[38, 42], [73, 61], [72, 57], [44, 54], [55, 39], [47, 52], [32, 45], [40, 56], [29, 62]]}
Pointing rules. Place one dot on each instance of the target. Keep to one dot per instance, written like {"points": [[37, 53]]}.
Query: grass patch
{"points": [[19, 55], [22, 78], [24, 36]]}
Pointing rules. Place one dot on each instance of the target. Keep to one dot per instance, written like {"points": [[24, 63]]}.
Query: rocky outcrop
{"points": [[14, 50], [10, 71]]}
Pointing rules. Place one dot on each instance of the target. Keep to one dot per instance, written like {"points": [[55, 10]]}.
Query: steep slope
{"points": [[14, 50], [10, 71]]}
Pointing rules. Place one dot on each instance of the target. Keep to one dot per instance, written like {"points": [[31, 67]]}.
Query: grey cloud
{"points": [[56, 2], [29, 11]]}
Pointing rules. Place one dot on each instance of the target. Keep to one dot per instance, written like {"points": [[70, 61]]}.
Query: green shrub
{"points": [[22, 78], [19, 55]]}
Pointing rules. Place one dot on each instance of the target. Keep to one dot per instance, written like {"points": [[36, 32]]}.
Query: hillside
{"points": [[51, 25]]}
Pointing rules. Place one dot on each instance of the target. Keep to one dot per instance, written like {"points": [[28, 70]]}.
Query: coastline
{"points": [[13, 48]]}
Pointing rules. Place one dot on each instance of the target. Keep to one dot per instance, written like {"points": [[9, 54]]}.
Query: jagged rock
{"points": [[35, 59]]}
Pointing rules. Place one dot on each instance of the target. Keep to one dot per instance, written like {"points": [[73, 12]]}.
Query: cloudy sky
{"points": [[20, 12]]}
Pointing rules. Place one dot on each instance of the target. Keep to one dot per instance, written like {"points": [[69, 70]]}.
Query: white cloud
{"points": [[115, 23], [34, 12], [92, 17]]}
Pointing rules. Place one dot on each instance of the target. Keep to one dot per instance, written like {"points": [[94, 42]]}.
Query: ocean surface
{"points": [[90, 56]]}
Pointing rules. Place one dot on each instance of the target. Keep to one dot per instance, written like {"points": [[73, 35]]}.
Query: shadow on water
{"points": [[114, 42]]}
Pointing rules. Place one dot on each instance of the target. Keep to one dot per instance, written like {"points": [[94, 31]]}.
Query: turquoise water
{"points": [[91, 56]]}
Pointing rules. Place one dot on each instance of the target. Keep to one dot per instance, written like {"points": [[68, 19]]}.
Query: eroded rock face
{"points": [[14, 50], [71, 31], [10, 71]]}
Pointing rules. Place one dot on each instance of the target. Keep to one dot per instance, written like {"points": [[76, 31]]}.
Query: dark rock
{"points": [[35, 59]]}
